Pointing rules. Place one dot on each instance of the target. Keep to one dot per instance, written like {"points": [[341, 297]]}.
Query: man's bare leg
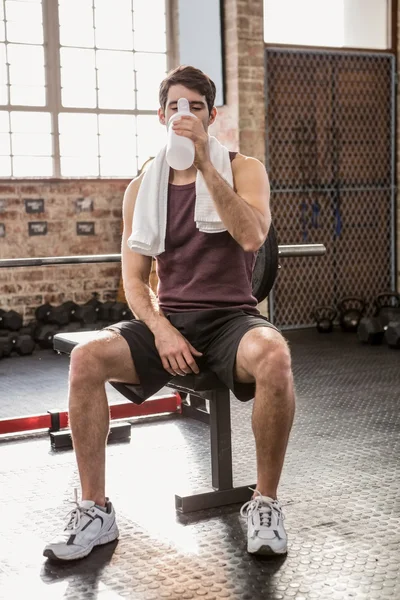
{"points": [[92, 364], [263, 356]]}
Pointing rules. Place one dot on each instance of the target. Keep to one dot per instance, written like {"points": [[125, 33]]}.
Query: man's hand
{"points": [[175, 351], [192, 128]]}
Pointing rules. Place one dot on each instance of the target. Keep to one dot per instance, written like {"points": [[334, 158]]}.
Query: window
{"points": [[338, 23], [79, 86]]}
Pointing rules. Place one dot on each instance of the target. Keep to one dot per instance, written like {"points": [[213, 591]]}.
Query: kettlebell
{"points": [[351, 310], [324, 316]]}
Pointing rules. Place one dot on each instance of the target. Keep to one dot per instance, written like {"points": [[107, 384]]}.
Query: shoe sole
{"points": [[104, 539], [267, 551]]}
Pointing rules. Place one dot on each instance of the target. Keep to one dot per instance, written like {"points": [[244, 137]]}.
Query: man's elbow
{"points": [[253, 244]]}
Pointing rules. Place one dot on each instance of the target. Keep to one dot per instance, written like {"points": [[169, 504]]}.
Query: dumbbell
{"points": [[8, 342], [57, 315], [120, 311], [10, 320], [25, 344], [44, 334], [105, 309]]}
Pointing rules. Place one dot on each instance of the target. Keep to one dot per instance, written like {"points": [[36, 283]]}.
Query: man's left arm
{"points": [[245, 210]]}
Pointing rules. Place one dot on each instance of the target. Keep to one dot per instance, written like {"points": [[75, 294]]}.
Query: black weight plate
{"points": [[266, 267]]}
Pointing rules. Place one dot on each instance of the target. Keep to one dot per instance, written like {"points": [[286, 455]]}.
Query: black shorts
{"points": [[215, 333]]}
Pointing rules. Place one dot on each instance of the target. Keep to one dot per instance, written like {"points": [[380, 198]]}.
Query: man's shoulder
{"points": [[247, 165], [134, 185]]}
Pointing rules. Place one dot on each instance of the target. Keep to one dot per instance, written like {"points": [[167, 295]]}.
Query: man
{"points": [[204, 313]]}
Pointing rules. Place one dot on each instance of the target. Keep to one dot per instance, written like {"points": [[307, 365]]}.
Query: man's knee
{"points": [[272, 362], [87, 362]]}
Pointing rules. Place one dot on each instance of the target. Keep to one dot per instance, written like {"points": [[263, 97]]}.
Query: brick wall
{"points": [[66, 204], [241, 123]]}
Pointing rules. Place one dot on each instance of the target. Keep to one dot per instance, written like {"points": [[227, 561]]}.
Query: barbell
{"points": [[284, 251]]}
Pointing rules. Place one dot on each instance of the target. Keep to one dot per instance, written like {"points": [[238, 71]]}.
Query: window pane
{"points": [[5, 166], [33, 144], [32, 166], [117, 145], [4, 121], [118, 166], [85, 166], [115, 79], [24, 22], [79, 85], [149, 26], [114, 24], [5, 143], [150, 70], [30, 122], [30, 96], [78, 135], [76, 31], [27, 74], [3, 75], [152, 136], [26, 64]]}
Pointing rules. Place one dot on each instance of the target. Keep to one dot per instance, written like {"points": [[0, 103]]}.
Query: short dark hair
{"points": [[193, 79]]}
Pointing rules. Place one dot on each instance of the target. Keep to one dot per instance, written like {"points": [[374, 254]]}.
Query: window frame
{"points": [[53, 106]]}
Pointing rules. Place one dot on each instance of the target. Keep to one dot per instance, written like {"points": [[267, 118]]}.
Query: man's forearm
{"points": [[144, 304], [239, 218]]}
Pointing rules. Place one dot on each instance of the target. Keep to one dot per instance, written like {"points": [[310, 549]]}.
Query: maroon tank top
{"points": [[200, 271]]}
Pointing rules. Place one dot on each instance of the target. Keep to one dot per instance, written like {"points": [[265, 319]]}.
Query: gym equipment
{"points": [[324, 316], [25, 344], [351, 310], [120, 312], [206, 386], [105, 308], [266, 262], [10, 320], [392, 334], [387, 307], [44, 335], [371, 330], [8, 342]]}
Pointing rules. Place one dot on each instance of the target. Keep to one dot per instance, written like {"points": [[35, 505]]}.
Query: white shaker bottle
{"points": [[180, 150]]}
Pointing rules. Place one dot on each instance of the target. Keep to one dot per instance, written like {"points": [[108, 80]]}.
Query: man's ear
{"points": [[161, 116], [213, 115]]}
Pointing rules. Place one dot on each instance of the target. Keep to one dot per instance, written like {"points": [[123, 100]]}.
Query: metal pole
{"points": [[285, 251]]}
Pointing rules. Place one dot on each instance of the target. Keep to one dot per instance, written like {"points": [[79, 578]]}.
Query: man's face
{"points": [[197, 102]]}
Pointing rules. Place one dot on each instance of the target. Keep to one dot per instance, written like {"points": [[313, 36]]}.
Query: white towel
{"points": [[150, 214]]}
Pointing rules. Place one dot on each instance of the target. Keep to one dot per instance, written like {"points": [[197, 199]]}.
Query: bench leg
{"points": [[223, 492]]}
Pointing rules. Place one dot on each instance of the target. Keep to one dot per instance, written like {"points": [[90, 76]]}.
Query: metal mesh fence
{"points": [[330, 160]]}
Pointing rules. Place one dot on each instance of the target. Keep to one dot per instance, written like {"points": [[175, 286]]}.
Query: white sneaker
{"points": [[87, 526], [265, 531]]}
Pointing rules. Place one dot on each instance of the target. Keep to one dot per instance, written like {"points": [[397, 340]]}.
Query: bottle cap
{"points": [[183, 105]]}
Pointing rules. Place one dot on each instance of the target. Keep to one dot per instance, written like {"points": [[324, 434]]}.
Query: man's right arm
{"points": [[136, 269], [175, 351]]}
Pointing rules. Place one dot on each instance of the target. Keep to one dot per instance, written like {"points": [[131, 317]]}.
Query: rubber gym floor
{"points": [[340, 491]]}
